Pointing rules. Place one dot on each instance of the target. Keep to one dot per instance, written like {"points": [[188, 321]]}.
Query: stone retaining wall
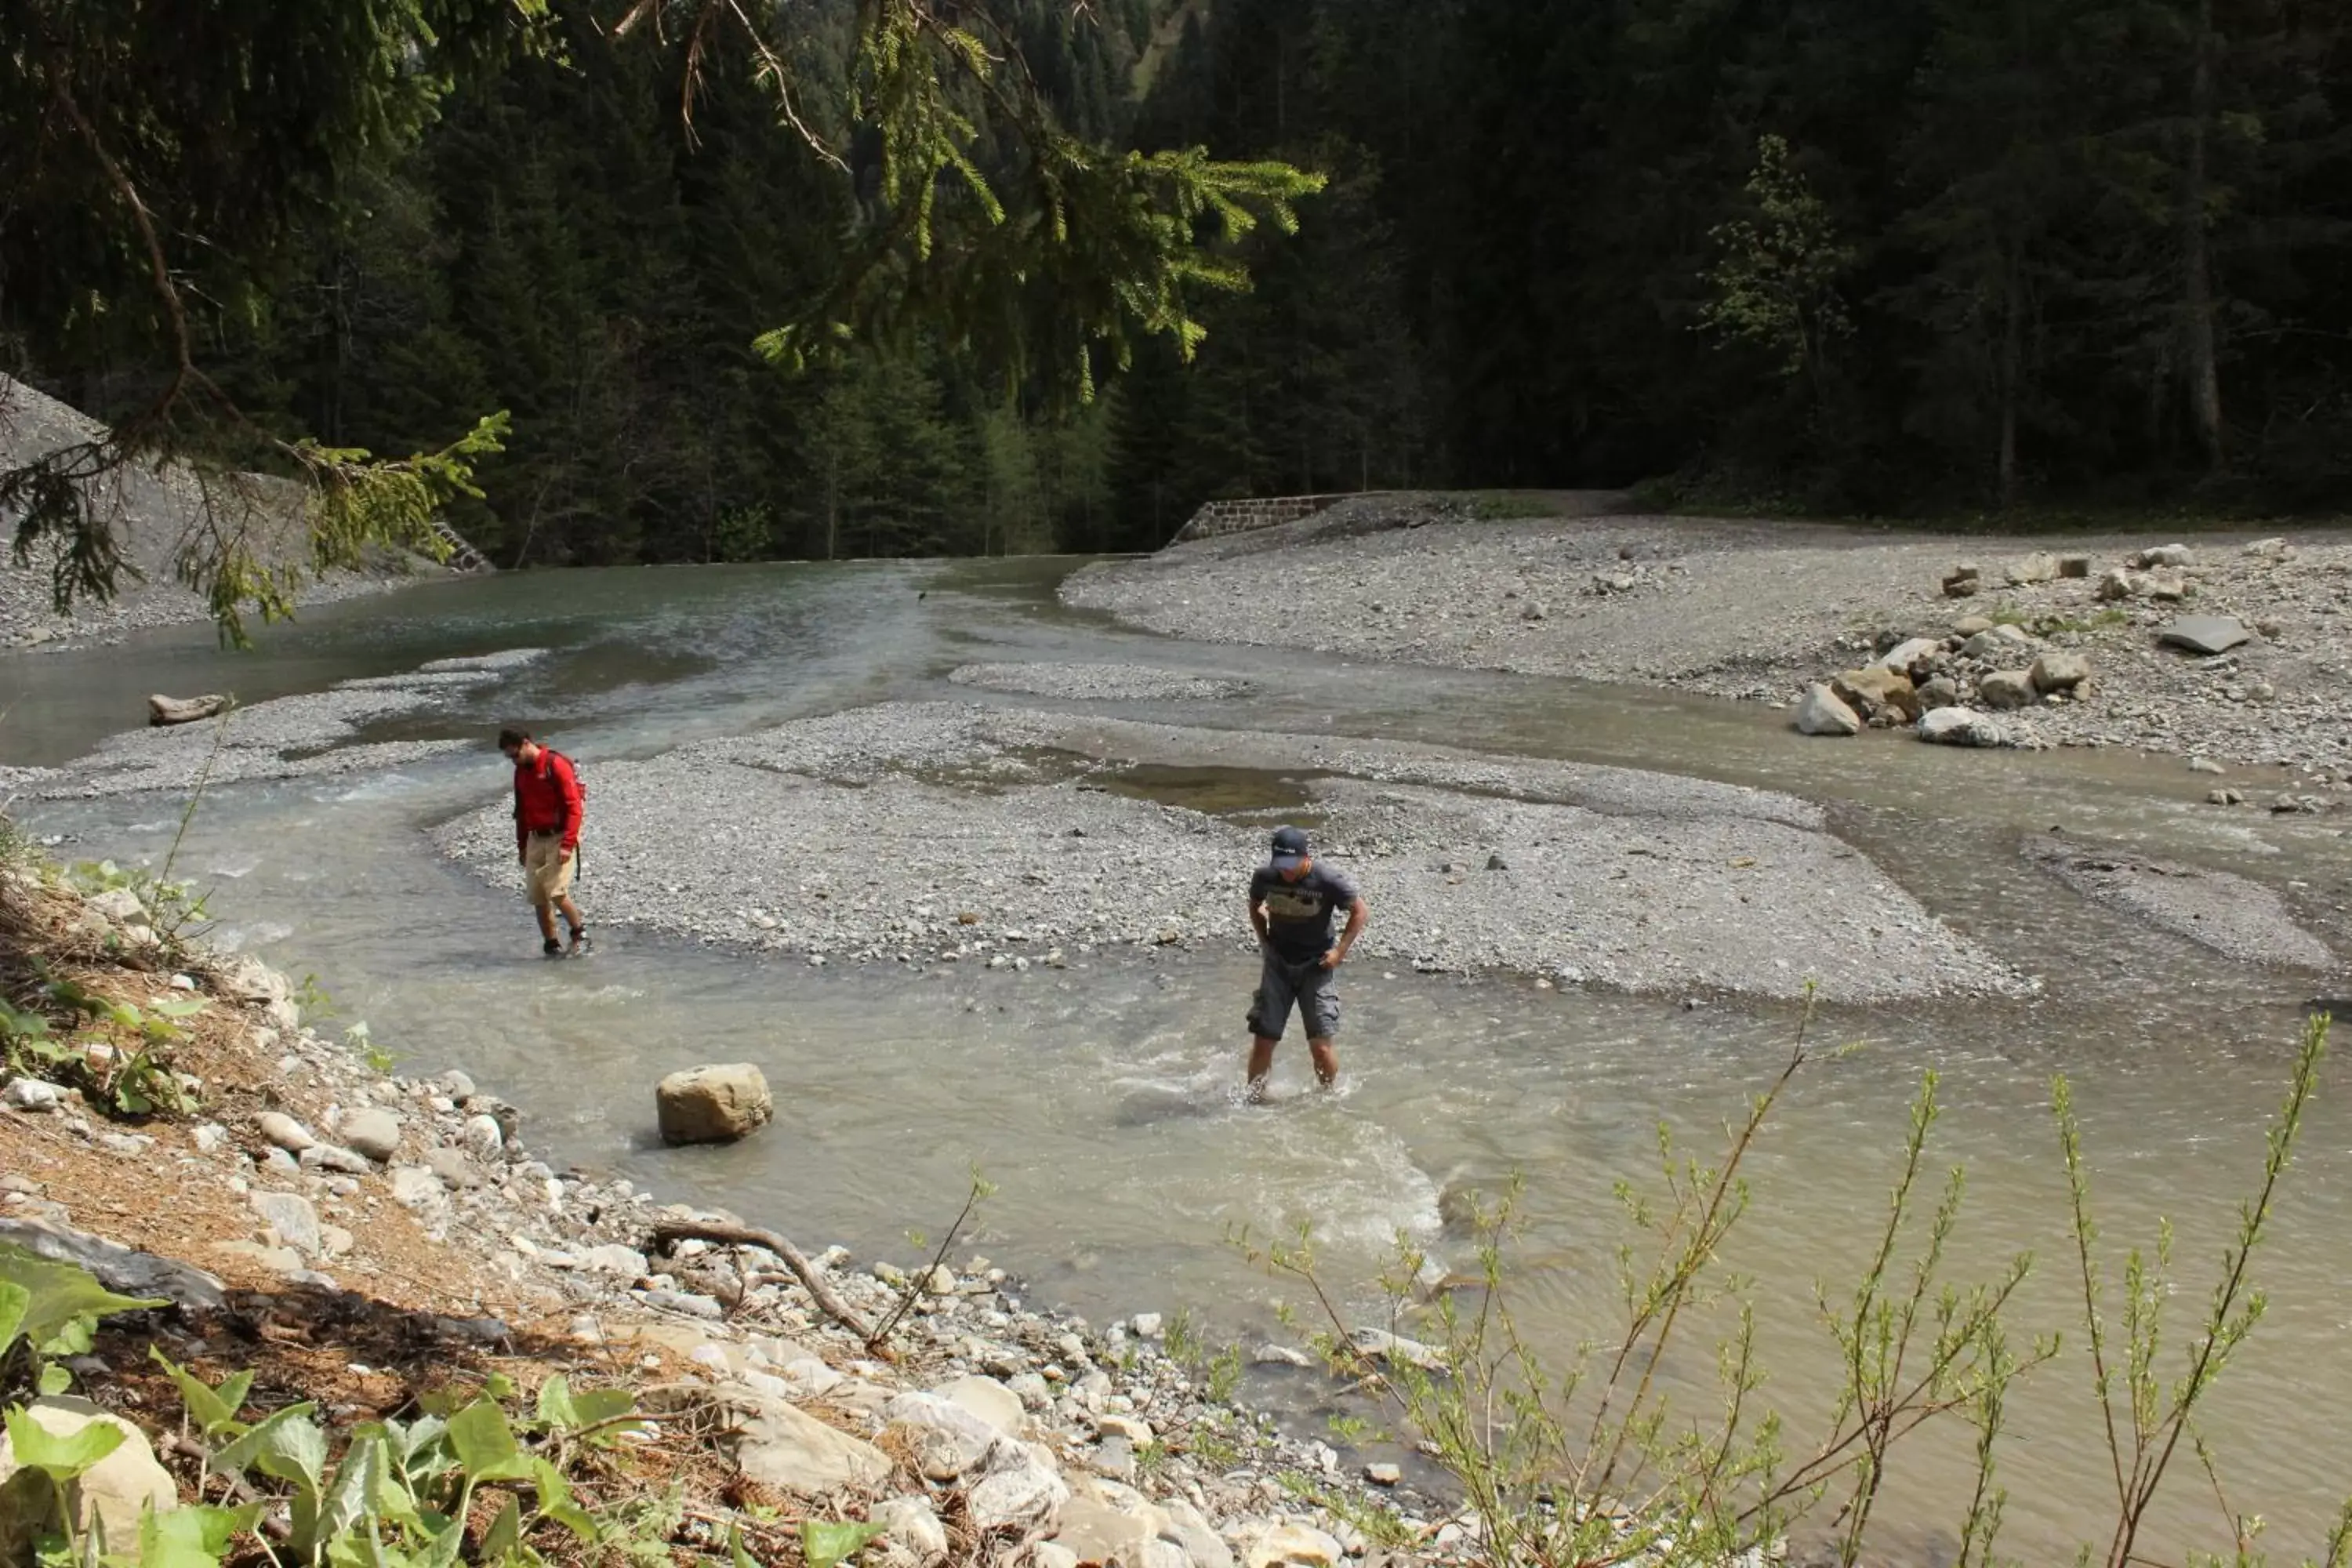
{"points": [[1222, 517]]}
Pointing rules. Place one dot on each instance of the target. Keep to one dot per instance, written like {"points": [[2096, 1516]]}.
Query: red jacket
{"points": [[547, 797]]}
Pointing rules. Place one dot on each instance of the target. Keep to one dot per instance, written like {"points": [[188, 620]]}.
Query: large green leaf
{"points": [[60, 1294], [485, 1444], [193, 1537], [555, 1404], [505, 1534], [13, 1300], [60, 1459], [555, 1501], [348, 1499], [213, 1410], [825, 1544], [286, 1447]]}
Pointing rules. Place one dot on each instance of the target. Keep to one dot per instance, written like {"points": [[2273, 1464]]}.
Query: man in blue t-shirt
{"points": [[1291, 902]]}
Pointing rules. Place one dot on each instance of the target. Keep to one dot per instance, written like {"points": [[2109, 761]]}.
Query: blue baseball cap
{"points": [[1289, 848]]}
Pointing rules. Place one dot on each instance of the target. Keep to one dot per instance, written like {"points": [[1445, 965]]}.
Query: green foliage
{"points": [[1775, 274], [824, 1544], [49, 1312], [118, 1055]]}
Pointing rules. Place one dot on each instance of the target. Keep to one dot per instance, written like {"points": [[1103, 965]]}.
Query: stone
{"points": [[1906, 656], [1494, 863], [1386, 1346], [32, 1094], [1113, 1457], [1021, 1493], [909, 1523], [1874, 693], [1296, 1545], [1962, 581], [623, 1262], [2165, 555], [684, 1304], [951, 1440], [2006, 688], [109, 1497], [2170, 586], [210, 1137], [457, 1086], [1939, 691], [328, 1157], [2060, 671], [374, 1133], [2224, 797], [279, 1260], [1051, 1554], [454, 1170], [2205, 635], [162, 710], [1962, 727], [1134, 1428], [119, 905], [1100, 1532], [284, 1132], [2205, 765], [2274, 550], [1384, 1475], [2039, 567], [1821, 712], [1272, 1354], [1999, 642], [987, 1399], [2074, 566], [1189, 1529], [2117, 585], [292, 1217], [713, 1104], [115, 1265], [1146, 1325], [791, 1450], [1970, 625], [414, 1186], [246, 978], [483, 1137]]}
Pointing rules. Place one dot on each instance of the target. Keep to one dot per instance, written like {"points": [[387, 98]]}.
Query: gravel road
{"points": [[1759, 611], [928, 834]]}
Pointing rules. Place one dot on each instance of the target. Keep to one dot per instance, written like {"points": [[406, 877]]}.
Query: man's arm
{"points": [[522, 837], [1359, 913], [1257, 919]]}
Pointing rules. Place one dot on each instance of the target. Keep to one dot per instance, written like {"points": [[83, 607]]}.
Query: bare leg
{"points": [[571, 915], [1261, 1068], [1327, 1060], [546, 913]]}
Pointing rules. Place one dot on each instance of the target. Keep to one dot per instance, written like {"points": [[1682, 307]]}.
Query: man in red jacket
{"points": [[547, 808]]}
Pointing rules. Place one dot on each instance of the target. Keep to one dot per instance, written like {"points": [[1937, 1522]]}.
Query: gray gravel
{"points": [[1100, 682], [156, 510], [1760, 611], [314, 734], [935, 833], [2241, 919]]}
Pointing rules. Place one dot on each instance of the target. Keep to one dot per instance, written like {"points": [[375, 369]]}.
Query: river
{"points": [[1096, 1100]]}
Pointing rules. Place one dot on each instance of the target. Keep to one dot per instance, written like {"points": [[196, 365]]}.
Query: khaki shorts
{"points": [[546, 870]]}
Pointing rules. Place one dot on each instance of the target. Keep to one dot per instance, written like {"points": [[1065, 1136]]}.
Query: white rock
{"points": [[293, 1217], [210, 1137], [1146, 1325], [1821, 712], [112, 1495], [32, 1094], [118, 904], [1021, 1493], [414, 1186], [626, 1262], [1387, 1346], [952, 1440], [1291, 1544], [374, 1133], [482, 1138], [909, 1523], [715, 1104], [987, 1399], [1961, 727], [1384, 1475], [284, 1132], [793, 1451], [327, 1157]]}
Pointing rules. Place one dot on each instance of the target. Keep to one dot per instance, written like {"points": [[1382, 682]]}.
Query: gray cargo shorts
{"points": [[1283, 985]]}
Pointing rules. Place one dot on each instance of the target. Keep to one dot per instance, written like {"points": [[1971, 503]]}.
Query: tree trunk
{"points": [[2013, 357], [2202, 366]]}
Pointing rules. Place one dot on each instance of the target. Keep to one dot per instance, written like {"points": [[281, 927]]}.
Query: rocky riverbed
{"points": [[941, 835], [329, 1203], [1762, 611], [155, 512]]}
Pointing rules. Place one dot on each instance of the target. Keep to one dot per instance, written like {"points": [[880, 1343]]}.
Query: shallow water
{"points": [[1099, 1100]]}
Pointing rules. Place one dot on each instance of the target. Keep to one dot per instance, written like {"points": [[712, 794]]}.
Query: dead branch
{"points": [[833, 1306]]}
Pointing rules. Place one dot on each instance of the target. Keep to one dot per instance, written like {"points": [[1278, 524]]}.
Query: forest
{"points": [[1878, 257]]}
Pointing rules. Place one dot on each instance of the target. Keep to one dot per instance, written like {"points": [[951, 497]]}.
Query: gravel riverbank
{"points": [[1100, 682], [938, 834], [1760, 611]]}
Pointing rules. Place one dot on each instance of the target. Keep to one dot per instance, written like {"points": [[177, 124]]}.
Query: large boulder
{"points": [[2006, 688], [1908, 655], [1997, 643], [1876, 693], [789, 1449], [2039, 567], [1822, 713], [1962, 727], [113, 1494], [1962, 581], [2118, 585], [2060, 671], [713, 1104], [373, 1132]]}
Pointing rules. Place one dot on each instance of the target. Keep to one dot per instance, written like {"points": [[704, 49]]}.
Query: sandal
{"points": [[583, 944], [551, 948]]}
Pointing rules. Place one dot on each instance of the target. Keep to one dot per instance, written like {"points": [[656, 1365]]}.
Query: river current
{"points": [[1098, 1100]]}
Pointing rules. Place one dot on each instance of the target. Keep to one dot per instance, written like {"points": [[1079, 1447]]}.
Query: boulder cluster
{"points": [[1947, 687]]}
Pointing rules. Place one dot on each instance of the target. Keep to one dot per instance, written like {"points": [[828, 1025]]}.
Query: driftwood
{"points": [[833, 1306], [185, 710]]}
